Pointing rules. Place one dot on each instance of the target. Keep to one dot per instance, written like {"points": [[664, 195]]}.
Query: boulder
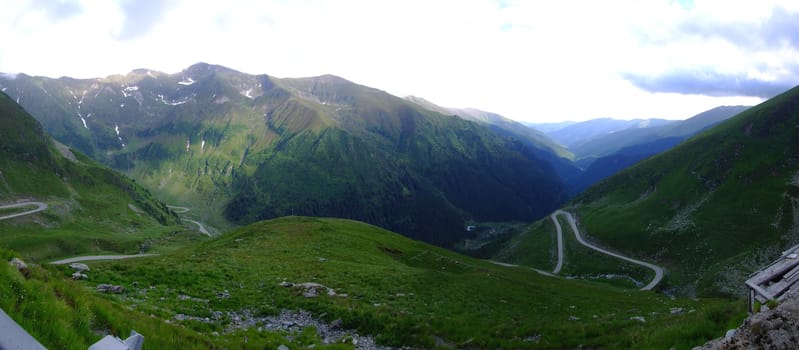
{"points": [[777, 328], [79, 267], [18, 263], [79, 276], [110, 288]]}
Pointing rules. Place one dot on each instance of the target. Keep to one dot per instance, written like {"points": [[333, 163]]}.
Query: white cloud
{"points": [[527, 59]]}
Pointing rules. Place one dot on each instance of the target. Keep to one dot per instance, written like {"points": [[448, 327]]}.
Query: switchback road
{"points": [[658, 270], [39, 207]]}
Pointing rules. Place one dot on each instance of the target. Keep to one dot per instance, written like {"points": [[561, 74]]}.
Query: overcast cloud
{"points": [[528, 60], [140, 16]]}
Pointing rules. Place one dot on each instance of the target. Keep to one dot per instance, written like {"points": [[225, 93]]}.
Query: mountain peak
{"points": [[202, 68]]}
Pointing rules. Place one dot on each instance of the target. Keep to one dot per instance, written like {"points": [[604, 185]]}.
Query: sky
{"points": [[535, 61]]}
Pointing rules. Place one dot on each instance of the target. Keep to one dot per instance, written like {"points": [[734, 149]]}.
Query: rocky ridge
{"points": [[777, 328]]}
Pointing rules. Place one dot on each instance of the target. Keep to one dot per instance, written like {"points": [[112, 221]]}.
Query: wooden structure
{"points": [[776, 281]]}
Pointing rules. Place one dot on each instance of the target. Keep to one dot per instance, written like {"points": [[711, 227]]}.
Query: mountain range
{"points": [[255, 147], [247, 287]]}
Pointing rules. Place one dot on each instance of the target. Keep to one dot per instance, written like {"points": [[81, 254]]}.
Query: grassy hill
{"points": [[91, 208], [403, 292], [257, 147]]}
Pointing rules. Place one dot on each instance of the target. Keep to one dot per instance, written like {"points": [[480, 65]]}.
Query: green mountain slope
{"points": [[257, 147], [500, 123], [91, 208], [542, 146], [403, 292], [714, 208]]}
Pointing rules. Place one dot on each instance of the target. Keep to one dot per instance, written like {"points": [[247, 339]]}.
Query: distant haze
{"points": [[531, 61]]}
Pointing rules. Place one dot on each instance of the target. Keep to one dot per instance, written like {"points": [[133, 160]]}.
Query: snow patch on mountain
{"points": [[172, 103], [116, 129], [186, 82], [83, 120], [129, 90], [247, 94]]}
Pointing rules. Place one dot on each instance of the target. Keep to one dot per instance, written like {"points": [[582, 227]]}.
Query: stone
{"points": [[223, 294], [282, 347], [336, 324], [310, 293], [18, 263], [730, 333], [677, 311], [286, 284], [638, 318], [574, 318], [110, 288], [79, 276], [79, 267]]}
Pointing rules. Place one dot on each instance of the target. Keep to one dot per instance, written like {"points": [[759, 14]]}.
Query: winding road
{"points": [[183, 210], [658, 270], [39, 207], [559, 265]]}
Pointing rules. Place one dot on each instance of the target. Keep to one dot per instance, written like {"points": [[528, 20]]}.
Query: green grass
{"points": [[585, 262], [64, 314], [536, 246], [406, 292]]}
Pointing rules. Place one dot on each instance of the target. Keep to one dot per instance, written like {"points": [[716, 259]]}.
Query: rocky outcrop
{"points": [[110, 288], [777, 328], [18, 263], [79, 267], [313, 290]]}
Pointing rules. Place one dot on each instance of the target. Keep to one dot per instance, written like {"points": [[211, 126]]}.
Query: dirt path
{"points": [[658, 270]]}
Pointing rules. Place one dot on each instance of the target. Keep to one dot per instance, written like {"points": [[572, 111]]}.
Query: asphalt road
{"points": [[658, 270], [39, 207], [559, 265], [202, 228], [183, 210], [98, 257]]}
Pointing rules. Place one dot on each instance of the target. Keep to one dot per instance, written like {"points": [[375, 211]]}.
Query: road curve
{"points": [[559, 265], [658, 270], [183, 210], [99, 257], [202, 228], [178, 210], [39, 207]]}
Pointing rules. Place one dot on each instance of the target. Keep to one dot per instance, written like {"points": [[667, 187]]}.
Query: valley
{"points": [[321, 202]]}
